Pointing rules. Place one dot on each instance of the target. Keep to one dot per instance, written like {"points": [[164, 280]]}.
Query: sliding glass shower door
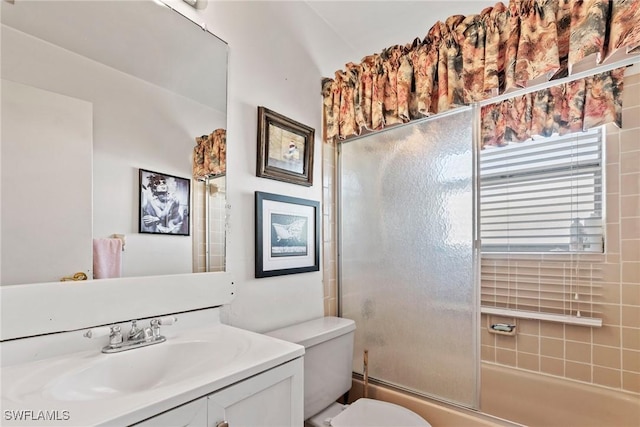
{"points": [[408, 259]]}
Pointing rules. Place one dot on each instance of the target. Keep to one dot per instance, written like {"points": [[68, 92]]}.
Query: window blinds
{"points": [[541, 207], [543, 195], [565, 285]]}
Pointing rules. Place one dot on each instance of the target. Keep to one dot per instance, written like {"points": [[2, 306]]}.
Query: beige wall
{"points": [[607, 356]]}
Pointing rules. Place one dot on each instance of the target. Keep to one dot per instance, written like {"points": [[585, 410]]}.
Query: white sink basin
{"points": [[139, 369], [100, 376]]}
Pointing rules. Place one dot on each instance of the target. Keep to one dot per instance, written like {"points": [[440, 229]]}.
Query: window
{"points": [[543, 195], [541, 206]]}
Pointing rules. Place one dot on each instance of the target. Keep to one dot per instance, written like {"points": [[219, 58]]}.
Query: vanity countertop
{"points": [[91, 388]]}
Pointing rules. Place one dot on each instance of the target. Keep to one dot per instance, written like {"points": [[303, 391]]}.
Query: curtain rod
{"points": [[367, 132], [551, 83]]}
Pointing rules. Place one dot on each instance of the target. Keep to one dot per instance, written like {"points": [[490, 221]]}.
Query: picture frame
{"points": [[285, 149], [165, 204], [287, 235]]}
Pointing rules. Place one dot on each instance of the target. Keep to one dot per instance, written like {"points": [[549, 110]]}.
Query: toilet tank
{"points": [[328, 359]]}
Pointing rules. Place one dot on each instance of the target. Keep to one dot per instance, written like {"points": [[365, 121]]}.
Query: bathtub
{"points": [[515, 397], [542, 400], [437, 413]]}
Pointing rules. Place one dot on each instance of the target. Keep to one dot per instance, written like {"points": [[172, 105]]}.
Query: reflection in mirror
{"points": [[92, 92], [210, 196]]}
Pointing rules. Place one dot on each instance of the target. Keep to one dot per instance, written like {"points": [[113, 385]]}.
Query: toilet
{"points": [[328, 343]]}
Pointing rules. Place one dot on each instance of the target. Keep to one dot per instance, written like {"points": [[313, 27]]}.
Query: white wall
{"points": [[38, 126], [276, 52]]}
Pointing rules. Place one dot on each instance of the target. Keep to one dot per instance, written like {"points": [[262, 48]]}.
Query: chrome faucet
{"points": [[136, 337], [136, 333]]}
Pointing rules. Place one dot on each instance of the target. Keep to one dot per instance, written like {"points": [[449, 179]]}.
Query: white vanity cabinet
{"points": [[192, 414], [271, 398]]}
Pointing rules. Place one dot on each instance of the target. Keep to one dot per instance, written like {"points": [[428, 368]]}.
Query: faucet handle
{"points": [[166, 320], [115, 336], [102, 331]]}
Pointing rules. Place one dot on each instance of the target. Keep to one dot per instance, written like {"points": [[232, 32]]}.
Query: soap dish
{"points": [[501, 328]]}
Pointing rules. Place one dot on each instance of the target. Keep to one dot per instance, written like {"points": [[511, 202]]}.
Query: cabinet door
{"points": [[192, 414], [273, 398]]}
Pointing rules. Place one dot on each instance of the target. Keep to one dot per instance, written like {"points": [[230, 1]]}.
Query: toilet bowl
{"points": [[328, 359], [367, 413]]}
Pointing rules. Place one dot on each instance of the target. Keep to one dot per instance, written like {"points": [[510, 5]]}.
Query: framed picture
{"points": [[285, 149], [287, 235], [164, 203]]}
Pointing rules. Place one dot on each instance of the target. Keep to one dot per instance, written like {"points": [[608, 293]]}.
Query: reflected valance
{"points": [[210, 155]]}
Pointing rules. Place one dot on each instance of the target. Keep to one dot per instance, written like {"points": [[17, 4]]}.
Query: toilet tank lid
{"points": [[314, 331]]}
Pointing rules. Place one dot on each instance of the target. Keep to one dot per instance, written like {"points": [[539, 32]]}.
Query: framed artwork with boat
{"points": [[287, 235]]}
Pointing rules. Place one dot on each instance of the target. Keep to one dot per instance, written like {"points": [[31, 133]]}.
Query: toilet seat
{"points": [[376, 413]]}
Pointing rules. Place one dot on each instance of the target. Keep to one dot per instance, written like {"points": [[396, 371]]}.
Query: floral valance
{"points": [[565, 108], [467, 59]]}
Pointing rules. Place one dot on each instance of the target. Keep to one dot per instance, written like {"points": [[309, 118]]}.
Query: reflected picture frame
{"points": [[287, 235], [164, 204], [285, 149]]}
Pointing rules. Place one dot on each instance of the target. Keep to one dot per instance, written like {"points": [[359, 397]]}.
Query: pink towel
{"points": [[107, 255]]}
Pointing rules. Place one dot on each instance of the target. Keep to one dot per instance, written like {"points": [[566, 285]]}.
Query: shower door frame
{"points": [[475, 137]]}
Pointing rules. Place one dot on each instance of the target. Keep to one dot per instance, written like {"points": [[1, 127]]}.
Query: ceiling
{"points": [[368, 27]]}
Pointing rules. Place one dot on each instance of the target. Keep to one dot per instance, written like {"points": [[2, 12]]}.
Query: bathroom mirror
{"points": [[131, 84]]}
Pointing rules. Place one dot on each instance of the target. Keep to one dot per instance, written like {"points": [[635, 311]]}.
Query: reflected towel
{"points": [[107, 255]]}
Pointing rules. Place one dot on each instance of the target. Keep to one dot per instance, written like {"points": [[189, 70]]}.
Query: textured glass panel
{"points": [[407, 256]]}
